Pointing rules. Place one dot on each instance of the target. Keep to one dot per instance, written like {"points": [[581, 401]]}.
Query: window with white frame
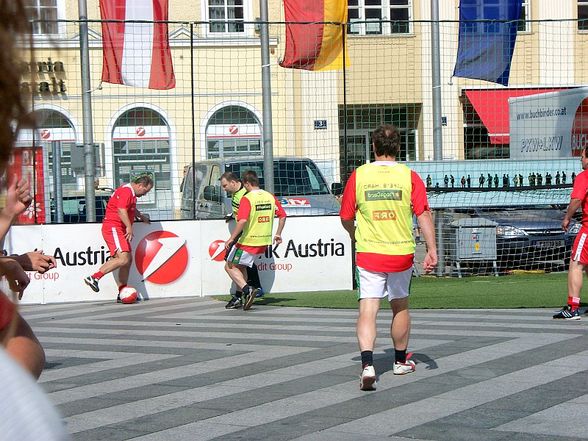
{"points": [[44, 14], [378, 17], [582, 15], [226, 16], [524, 25]]}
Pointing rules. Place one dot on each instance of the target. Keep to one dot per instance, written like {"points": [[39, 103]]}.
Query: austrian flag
{"points": [[136, 53]]}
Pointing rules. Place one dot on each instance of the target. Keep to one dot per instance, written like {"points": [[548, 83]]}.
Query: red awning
{"points": [[492, 108]]}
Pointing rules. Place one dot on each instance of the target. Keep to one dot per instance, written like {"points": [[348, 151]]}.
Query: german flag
{"points": [[317, 45]]}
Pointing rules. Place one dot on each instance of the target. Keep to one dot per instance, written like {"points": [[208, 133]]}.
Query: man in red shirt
{"points": [[579, 258], [253, 234], [117, 230], [381, 198]]}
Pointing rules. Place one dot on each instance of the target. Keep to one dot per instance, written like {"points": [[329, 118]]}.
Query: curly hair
{"points": [[15, 29], [386, 140]]}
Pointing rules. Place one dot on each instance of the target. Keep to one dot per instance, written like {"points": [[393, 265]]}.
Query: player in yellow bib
{"points": [[231, 183], [382, 198], [253, 233]]}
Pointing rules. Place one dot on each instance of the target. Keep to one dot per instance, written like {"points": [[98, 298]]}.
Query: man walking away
{"points": [[382, 197]]}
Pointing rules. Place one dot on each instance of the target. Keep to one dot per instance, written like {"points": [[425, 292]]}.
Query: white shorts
{"points": [[371, 284], [238, 256]]}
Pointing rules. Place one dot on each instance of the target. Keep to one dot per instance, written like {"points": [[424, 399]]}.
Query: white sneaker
{"points": [[404, 368], [367, 379]]}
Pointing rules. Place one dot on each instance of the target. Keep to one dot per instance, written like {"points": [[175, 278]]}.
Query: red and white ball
{"points": [[128, 295]]}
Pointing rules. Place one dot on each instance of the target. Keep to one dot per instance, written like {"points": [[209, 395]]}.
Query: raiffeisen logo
{"points": [[217, 251], [161, 257]]}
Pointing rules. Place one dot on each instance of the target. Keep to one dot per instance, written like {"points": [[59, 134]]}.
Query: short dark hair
{"points": [[230, 176], [251, 178], [386, 140], [145, 179]]}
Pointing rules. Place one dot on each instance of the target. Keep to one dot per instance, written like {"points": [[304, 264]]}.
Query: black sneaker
{"points": [[567, 313], [234, 303], [92, 283], [118, 300], [250, 299]]}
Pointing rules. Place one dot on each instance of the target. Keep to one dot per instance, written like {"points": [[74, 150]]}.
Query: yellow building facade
{"points": [[216, 107]]}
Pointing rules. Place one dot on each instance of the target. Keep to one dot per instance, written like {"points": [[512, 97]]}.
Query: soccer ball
{"points": [[128, 295]]}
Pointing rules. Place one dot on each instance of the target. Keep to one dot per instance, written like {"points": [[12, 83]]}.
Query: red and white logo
{"points": [[140, 131], [217, 250], [233, 129], [580, 129], [161, 257], [45, 134]]}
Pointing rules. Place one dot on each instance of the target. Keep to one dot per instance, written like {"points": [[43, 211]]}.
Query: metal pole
{"points": [[345, 149], [57, 189], [437, 133], [89, 158], [266, 88], [192, 169]]}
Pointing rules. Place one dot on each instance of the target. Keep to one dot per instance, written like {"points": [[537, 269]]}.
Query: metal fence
{"points": [[214, 113]]}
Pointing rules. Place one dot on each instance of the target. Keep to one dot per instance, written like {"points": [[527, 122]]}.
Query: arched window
{"points": [[233, 131], [55, 126], [141, 144]]}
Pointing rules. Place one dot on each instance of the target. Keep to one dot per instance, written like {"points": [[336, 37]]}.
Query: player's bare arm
{"points": [[236, 232], [124, 217], [575, 204], [425, 221], [15, 275], [349, 226], [278, 235]]}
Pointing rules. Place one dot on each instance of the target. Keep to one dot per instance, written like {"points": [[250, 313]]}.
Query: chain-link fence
{"points": [[507, 151]]}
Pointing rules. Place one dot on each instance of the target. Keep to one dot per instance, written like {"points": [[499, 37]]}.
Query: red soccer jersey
{"points": [[580, 191], [123, 197], [383, 262], [243, 213]]}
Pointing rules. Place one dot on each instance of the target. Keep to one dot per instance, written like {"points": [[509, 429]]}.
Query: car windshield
{"points": [[291, 178]]}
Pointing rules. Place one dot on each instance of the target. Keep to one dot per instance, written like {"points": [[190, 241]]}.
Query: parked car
{"points": [[74, 207], [298, 183], [528, 238]]}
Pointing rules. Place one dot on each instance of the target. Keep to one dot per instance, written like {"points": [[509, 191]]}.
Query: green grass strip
{"points": [[513, 291]]}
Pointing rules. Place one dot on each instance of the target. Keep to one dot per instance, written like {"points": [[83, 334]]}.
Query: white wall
{"points": [[315, 256]]}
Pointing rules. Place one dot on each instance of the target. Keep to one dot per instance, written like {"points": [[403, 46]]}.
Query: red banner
{"points": [[23, 164]]}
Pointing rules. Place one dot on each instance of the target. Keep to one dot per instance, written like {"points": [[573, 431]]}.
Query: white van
{"points": [[298, 184]]}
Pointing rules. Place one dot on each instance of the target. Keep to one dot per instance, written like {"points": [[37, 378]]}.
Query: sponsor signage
{"points": [[183, 258], [549, 125]]}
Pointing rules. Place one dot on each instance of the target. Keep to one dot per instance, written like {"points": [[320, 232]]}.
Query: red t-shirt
{"points": [[384, 262], [579, 192], [243, 213], [123, 197]]}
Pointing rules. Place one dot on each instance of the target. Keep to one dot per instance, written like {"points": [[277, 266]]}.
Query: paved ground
{"points": [[187, 369]]}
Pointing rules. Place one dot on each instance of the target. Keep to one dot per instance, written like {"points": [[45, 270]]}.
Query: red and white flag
{"points": [[136, 54]]}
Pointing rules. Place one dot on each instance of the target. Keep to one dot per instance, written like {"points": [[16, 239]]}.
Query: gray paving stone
{"points": [[292, 373]]}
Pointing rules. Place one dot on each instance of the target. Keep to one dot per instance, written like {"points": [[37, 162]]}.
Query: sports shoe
{"points": [[567, 313], [367, 379], [92, 283], [407, 367], [260, 293], [249, 299], [234, 303]]}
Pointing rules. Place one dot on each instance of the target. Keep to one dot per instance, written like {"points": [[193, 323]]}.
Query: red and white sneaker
{"points": [[367, 379], [407, 367]]}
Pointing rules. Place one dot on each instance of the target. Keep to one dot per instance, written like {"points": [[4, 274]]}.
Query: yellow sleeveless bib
{"points": [[384, 216], [258, 230]]}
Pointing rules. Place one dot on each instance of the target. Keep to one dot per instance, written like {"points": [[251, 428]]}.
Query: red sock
{"points": [[573, 302], [121, 287], [98, 275]]}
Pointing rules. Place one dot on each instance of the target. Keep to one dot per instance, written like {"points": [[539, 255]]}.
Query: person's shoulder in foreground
{"points": [[26, 414]]}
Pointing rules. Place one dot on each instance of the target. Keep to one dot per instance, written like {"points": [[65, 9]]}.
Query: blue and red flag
{"points": [[487, 35]]}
